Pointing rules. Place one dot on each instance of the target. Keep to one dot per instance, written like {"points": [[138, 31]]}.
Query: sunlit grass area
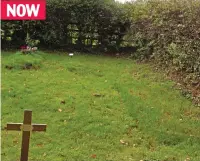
{"points": [[97, 108]]}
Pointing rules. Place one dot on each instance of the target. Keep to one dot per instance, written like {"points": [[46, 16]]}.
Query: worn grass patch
{"points": [[24, 61], [98, 108]]}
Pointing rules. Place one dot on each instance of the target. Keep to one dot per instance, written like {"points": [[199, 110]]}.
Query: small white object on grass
{"points": [[71, 54], [34, 49]]}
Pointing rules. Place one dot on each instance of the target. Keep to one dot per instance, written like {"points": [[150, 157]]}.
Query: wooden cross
{"points": [[26, 127]]}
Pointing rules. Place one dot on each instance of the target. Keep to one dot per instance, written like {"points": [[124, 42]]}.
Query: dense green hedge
{"points": [[71, 23], [168, 32]]}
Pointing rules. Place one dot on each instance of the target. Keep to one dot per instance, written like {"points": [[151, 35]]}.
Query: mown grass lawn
{"points": [[98, 108]]}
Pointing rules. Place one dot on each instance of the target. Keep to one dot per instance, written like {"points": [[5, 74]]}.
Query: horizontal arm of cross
{"points": [[17, 127]]}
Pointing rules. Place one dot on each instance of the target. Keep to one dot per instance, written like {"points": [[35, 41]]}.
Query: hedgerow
{"points": [[168, 32], [71, 23]]}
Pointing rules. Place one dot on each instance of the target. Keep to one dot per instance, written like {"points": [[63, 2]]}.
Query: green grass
{"points": [[106, 100], [24, 61]]}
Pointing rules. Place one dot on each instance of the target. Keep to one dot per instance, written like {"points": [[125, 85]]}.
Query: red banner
{"points": [[23, 9]]}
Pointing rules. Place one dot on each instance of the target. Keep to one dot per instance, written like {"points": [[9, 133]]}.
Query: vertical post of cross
{"points": [[26, 128]]}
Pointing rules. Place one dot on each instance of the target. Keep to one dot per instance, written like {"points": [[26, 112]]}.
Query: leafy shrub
{"points": [[167, 32], [71, 23], [21, 61], [31, 42]]}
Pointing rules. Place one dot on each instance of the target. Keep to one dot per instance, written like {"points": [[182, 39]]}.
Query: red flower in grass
{"points": [[23, 47]]}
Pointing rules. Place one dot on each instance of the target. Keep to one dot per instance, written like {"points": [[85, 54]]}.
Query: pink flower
{"points": [[23, 47]]}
